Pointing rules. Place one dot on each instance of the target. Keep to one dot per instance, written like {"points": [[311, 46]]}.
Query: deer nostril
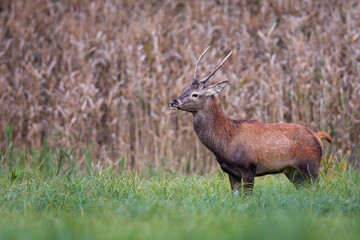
{"points": [[174, 102]]}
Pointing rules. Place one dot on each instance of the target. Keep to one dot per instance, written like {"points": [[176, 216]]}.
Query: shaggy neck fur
{"points": [[213, 128]]}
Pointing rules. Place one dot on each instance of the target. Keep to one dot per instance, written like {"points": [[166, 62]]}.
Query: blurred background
{"points": [[97, 76]]}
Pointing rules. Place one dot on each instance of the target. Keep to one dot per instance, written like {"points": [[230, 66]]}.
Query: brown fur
{"points": [[247, 148]]}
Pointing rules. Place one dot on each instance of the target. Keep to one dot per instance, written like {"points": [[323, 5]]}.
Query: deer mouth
{"points": [[174, 108]]}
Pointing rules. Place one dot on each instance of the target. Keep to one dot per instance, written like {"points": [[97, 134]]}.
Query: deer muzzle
{"points": [[174, 104]]}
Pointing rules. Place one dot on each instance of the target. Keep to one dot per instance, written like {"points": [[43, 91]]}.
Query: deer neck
{"points": [[213, 127]]}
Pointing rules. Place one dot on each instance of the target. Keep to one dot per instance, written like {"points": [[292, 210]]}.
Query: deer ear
{"points": [[216, 88]]}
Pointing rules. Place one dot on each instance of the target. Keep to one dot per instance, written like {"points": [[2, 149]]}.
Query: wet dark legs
{"points": [[245, 182], [302, 173], [235, 182]]}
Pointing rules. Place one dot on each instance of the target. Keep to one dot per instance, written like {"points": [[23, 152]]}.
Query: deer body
{"points": [[247, 148]]}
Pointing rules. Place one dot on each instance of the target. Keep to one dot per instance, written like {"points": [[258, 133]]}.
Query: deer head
{"points": [[195, 96]]}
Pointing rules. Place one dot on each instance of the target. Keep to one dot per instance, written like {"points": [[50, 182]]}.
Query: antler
{"points": [[197, 64], [206, 78]]}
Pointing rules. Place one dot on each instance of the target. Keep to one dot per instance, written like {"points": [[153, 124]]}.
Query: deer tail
{"points": [[321, 135]]}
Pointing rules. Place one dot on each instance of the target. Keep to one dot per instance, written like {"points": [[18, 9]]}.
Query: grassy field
{"points": [[49, 197], [96, 77]]}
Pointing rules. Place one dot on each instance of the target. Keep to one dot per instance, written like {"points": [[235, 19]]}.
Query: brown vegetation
{"points": [[103, 72]]}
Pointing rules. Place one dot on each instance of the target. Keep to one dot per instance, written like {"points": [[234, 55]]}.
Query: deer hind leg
{"points": [[302, 173]]}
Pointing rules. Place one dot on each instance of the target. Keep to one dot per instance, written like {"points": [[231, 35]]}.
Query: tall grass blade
{"points": [[9, 145], [88, 159], [60, 160]]}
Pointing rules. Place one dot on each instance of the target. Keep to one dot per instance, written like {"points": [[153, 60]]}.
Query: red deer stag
{"points": [[245, 149]]}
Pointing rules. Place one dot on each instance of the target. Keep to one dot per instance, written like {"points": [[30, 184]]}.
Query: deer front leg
{"points": [[248, 183], [248, 177], [235, 182]]}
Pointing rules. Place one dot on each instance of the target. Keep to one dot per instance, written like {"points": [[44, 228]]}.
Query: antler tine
{"points": [[206, 78], [197, 63]]}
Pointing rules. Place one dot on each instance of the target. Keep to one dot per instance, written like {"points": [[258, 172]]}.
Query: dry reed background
{"points": [[102, 72]]}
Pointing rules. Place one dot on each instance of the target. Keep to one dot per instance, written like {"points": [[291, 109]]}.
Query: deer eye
{"points": [[195, 95]]}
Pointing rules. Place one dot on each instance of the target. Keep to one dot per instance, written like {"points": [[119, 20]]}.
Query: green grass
{"points": [[45, 196]]}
